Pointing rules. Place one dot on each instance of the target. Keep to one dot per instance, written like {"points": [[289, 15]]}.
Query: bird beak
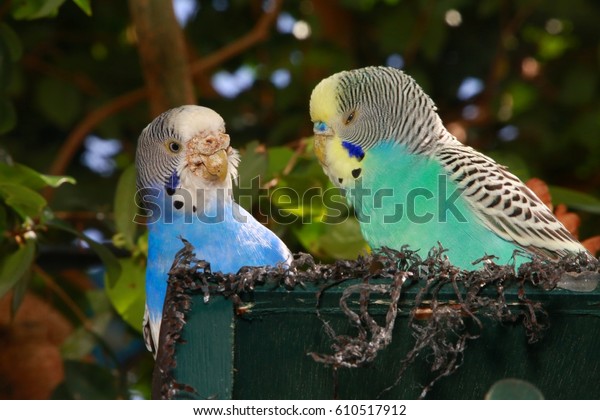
{"points": [[320, 150], [207, 156]]}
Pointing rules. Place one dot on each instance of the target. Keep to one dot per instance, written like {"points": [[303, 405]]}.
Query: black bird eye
{"points": [[350, 118], [174, 146]]}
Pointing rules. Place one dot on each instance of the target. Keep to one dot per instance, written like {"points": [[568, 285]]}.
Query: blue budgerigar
{"points": [[185, 169], [379, 138]]}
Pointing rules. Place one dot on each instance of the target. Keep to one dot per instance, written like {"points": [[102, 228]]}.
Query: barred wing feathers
{"points": [[505, 205]]}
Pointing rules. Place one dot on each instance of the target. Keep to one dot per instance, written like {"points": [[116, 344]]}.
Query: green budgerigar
{"points": [[379, 138]]}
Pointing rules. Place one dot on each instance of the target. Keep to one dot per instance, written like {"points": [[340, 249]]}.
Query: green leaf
{"points": [[35, 9], [309, 236], [575, 199], [110, 262], [23, 175], [14, 266], [251, 173], [278, 158], [55, 181], [12, 42], [125, 206], [253, 163], [127, 294], [309, 206], [85, 6], [344, 240], [25, 201], [340, 240]]}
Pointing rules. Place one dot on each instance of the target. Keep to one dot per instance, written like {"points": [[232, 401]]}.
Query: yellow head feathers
{"points": [[323, 100], [341, 168]]}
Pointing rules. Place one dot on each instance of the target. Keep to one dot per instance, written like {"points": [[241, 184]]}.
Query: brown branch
{"points": [[83, 216], [418, 32], [75, 138], [256, 35], [259, 33], [161, 48], [337, 24], [299, 150]]}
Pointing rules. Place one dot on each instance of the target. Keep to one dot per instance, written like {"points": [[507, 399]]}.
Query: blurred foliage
{"points": [[537, 110]]}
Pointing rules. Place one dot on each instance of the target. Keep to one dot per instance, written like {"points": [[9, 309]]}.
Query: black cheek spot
{"points": [[356, 172], [170, 191], [178, 204], [340, 180], [194, 209]]}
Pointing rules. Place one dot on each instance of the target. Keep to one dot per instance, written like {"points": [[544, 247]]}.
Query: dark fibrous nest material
{"points": [[448, 311]]}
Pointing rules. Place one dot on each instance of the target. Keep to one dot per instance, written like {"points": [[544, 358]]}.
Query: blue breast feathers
{"points": [[228, 242]]}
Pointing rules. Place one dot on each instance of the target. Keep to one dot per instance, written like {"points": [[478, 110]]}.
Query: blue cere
{"points": [[320, 127], [353, 150]]}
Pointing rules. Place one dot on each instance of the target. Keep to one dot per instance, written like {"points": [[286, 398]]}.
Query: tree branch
{"points": [[257, 34], [419, 30], [162, 52], [91, 120]]}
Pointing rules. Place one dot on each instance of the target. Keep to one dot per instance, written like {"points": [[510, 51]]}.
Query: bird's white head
{"points": [[186, 148]]}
